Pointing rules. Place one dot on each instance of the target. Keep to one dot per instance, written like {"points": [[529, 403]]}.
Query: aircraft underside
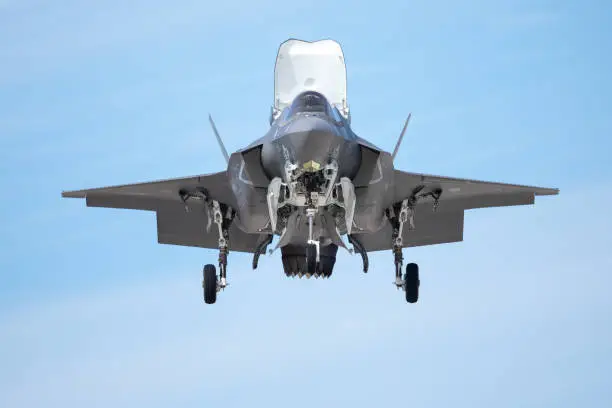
{"points": [[312, 212], [310, 187], [313, 208]]}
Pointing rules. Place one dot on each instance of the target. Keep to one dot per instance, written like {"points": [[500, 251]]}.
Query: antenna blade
{"points": [[214, 128], [399, 141]]}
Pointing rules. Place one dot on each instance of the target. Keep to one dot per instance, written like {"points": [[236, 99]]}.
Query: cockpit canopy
{"points": [[309, 102]]}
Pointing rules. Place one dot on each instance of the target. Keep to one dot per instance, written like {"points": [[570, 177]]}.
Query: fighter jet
{"points": [[312, 184]]}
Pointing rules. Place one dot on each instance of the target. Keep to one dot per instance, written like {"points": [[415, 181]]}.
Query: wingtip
{"points": [[548, 191], [73, 194]]}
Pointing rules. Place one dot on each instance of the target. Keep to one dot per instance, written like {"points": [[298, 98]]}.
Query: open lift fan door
{"points": [[313, 66]]}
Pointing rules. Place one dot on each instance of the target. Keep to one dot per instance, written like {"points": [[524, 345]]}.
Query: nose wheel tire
{"points": [[412, 283], [209, 284]]}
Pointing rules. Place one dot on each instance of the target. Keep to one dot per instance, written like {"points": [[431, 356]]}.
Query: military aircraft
{"points": [[313, 183]]}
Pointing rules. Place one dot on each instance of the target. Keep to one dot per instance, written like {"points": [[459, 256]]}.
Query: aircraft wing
{"points": [[430, 228], [175, 226], [463, 194], [457, 195], [149, 196]]}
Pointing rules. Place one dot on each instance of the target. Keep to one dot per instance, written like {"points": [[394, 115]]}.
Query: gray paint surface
{"points": [[299, 136]]}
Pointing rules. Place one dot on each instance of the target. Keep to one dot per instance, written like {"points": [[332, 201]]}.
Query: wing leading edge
{"points": [[454, 197], [464, 194], [148, 196], [175, 225]]}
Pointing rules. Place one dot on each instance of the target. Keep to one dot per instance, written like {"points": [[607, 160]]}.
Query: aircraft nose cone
{"points": [[310, 124], [311, 139]]}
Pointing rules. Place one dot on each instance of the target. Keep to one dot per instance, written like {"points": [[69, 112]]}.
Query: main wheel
{"points": [[412, 283], [210, 284], [311, 259]]}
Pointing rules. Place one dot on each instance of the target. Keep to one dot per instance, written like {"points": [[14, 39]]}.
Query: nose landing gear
{"points": [[312, 246]]}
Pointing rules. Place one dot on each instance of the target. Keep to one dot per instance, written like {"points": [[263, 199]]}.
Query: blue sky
{"points": [[93, 312]]}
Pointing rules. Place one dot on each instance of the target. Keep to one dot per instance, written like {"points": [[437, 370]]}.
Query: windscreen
{"points": [[309, 102]]}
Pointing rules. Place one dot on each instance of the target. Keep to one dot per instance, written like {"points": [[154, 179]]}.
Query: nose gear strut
{"points": [[313, 249]]}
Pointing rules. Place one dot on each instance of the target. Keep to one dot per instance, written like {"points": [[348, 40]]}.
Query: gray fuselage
{"points": [[311, 151], [303, 137]]}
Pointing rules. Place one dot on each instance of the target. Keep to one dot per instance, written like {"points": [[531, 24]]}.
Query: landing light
{"points": [[312, 166]]}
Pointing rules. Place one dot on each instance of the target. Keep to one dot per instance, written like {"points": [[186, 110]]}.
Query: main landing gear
{"points": [[410, 282], [222, 216]]}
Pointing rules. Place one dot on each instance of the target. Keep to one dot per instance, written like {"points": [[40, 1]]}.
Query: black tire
{"points": [[412, 283], [210, 284], [311, 259]]}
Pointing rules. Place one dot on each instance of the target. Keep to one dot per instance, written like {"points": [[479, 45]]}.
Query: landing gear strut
{"points": [[222, 216], [410, 282], [312, 246]]}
